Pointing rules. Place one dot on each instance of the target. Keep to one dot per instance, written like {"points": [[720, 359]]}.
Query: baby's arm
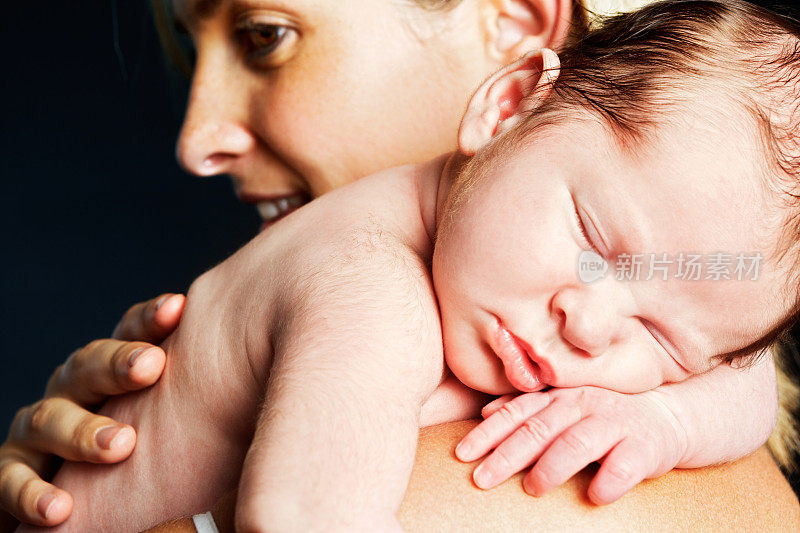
{"points": [[715, 417], [357, 351]]}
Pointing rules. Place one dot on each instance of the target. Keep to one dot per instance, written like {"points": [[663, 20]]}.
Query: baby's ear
{"points": [[502, 99]]}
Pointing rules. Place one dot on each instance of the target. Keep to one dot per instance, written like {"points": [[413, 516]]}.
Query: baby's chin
{"points": [[483, 377]]}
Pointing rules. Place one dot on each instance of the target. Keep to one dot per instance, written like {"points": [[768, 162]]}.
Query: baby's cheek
{"points": [[642, 375], [472, 363]]}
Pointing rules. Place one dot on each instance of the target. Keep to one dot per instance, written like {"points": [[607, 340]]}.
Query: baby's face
{"points": [[516, 313]]}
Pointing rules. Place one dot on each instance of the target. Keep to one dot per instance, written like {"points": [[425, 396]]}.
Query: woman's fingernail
{"points": [[45, 503], [482, 477], [106, 436], [135, 355], [162, 300], [463, 449]]}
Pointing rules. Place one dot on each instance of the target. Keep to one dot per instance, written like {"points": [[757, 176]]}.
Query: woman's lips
{"points": [[273, 208], [521, 371]]}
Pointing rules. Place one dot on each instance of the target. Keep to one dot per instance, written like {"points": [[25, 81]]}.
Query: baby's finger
{"points": [[624, 468], [526, 444], [151, 321], [585, 442], [502, 423], [491, 408], [60, 427], [105, 368], [28, 498]]}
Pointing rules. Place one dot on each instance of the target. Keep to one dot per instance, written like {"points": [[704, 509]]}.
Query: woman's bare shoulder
{"points": [[748, 494]]}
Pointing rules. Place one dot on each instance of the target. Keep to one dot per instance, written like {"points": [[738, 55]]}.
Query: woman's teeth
{"points": [[272, 210]]}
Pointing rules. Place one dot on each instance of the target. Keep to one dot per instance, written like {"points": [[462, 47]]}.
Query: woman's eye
{"points": [[262, 40]]}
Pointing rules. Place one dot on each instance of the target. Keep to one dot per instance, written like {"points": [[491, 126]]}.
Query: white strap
{"points": [[204, 523]]}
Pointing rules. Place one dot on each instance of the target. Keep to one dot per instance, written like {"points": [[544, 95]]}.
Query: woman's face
{"points": [[297, 97]]}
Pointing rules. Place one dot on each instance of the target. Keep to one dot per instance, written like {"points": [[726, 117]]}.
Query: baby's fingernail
{"points": [[528, 488], [106, 436], [45, 503], [463, 449], [482, 477], [135, 355], [162, 300]]}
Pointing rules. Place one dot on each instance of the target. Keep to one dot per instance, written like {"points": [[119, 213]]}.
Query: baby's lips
{"points": [[520, 370]]}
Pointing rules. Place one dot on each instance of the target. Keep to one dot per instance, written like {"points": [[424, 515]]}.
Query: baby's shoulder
{"points": [[367, 233], [378, 214]]}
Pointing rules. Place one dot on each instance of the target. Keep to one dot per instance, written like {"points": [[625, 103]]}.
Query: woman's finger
{"points": [[624, 468], [151, 321], [500, 425], [105, 368], [574, 449], [526, 444], [58, 426], [28, 498]]}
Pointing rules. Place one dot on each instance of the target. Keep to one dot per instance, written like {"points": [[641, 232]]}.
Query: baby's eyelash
{"points": [[661, 339], [582, 228]]}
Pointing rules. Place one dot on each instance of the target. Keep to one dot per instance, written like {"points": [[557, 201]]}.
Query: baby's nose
{"points": [[586, 326], [588, 334]]}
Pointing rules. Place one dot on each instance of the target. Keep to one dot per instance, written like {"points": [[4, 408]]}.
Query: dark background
{"points": [[96, 215]]}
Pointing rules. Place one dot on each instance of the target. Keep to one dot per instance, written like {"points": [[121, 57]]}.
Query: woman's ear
{"points": [[502, 99], [516, 27]]}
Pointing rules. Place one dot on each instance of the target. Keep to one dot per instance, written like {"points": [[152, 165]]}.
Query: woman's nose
{"points": [[588, 326], [213, 138]]}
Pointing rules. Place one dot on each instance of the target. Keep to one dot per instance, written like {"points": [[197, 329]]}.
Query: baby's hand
{"points": [[563, 430]]}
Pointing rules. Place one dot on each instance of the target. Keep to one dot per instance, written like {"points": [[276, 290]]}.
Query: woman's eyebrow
{"points": [[194, 11], [205, 8]]}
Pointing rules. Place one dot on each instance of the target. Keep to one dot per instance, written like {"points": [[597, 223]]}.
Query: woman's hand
{"points": [[60, 424]]}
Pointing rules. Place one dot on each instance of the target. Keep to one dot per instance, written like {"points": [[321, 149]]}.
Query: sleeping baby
{"points": [[662, 137]]}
